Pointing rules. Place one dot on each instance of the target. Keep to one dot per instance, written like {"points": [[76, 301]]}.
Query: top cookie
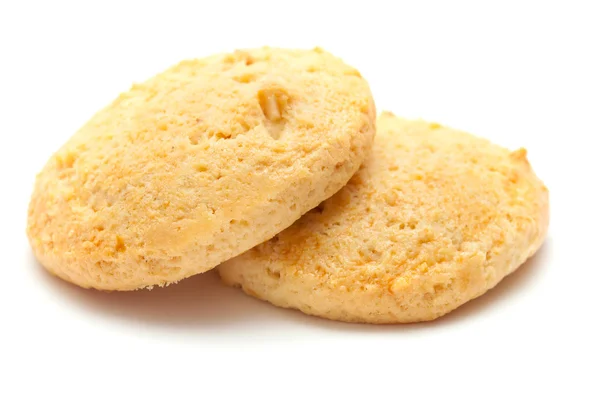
{"points": [[198, 164], [434, 218]]}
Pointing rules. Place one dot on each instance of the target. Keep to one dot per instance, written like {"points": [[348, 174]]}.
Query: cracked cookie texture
{"points": [[199, 164], [434, 218]]}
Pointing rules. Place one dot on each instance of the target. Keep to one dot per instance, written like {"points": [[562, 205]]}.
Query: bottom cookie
{"points": [[434, 218]]}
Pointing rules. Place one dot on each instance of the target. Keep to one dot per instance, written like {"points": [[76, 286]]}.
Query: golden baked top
{"points": [[199, 164]]}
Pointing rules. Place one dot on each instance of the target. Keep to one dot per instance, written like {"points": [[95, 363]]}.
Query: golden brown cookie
{"points": [[433, 219], [199, 164]]}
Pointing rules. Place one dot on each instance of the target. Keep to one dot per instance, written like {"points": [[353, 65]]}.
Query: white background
{"points": [[519, 73]]}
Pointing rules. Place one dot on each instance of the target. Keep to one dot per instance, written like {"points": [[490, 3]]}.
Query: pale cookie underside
{"points": [[433, 219], [199, 164]]}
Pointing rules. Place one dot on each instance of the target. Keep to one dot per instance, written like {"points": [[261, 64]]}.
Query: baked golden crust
{"points": [[198, 164], [434, 218]]}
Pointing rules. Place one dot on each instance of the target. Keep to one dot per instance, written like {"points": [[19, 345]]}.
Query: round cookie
{"points": [[434, 218], [199, 164]]}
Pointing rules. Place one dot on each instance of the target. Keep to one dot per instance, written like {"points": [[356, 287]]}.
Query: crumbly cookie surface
{"points": [[434, 218], [197, 165]]}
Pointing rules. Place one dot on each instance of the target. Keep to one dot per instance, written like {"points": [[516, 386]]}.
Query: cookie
{"points": [[434, 218], [199, 164]]}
